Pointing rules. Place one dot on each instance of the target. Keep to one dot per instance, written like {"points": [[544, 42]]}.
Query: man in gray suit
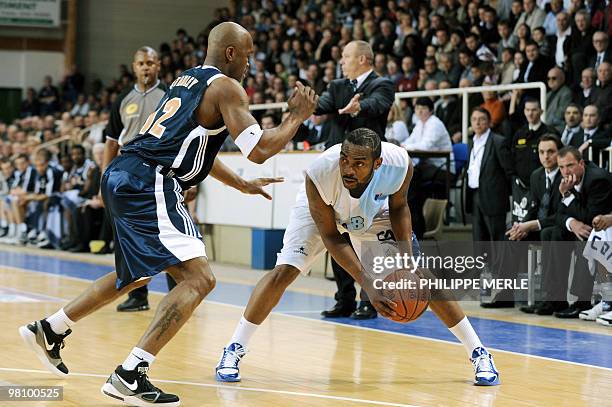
{"points": [[557, 99]]}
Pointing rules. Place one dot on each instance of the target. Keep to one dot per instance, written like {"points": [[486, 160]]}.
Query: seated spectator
{"points": [[71, 194], [42, 200], [539, 37], [544, 202], [525, 158], [429, 134], [48, 96], [448, 110], [602, 53], [557, 98], [587, 92], [506, 67], [586, 191], [91, 213], [507, 40], [560, 41], [81, 107], [532, 15], [450, 71], [550, 22], [6, 180], [495, 107], [409, 78], [397, 131], [603, 101], [30, 105], [572, 118], [23, 184], [592, 139]]}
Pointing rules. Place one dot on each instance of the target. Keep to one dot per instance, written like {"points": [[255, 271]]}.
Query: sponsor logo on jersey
{"points": [[301, 250], [131, 108]]}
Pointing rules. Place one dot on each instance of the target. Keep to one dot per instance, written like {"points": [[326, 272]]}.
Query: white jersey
{"points": [[355, 215]]}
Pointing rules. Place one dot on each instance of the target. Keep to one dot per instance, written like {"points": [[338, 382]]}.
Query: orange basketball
{"points": [[411, 302]]}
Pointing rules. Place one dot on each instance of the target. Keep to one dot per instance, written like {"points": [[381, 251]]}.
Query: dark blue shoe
{"points": [[227, 370], [486, 373]]}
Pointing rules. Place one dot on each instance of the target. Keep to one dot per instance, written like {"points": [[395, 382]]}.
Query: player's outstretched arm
{"points": [[224, 174], [325, 219], [256, 144], [399, 214]]}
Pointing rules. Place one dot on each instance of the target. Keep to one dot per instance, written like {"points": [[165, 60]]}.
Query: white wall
{"points": [[110, 31], [23, 69]]}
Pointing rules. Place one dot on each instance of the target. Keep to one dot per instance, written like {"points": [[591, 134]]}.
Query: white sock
{"points": [[466, 334], [60, 322], [136, 356], [12, 229], [243, 332], [3, 223], [23, 227]]}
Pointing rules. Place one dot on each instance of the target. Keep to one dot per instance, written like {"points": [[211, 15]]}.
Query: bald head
{"points": [[357, 58], [229, 47], [227, 34]]}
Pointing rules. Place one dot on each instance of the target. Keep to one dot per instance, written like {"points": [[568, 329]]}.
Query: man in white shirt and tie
{"points": [[488, 179], [573, 117], [600, 43]]}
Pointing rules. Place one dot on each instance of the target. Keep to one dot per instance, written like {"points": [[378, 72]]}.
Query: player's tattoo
{"points": [[171, 313]]}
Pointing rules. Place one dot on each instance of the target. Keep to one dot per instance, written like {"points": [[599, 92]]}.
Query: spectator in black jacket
{"points": [[525, 159], [586, 192]]}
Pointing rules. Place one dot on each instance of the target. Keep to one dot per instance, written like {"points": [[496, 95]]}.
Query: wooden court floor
{"points": [[293, 360]]}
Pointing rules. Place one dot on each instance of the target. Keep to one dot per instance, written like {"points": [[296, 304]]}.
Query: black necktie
{"points": [[545, 203], [354, 85]]}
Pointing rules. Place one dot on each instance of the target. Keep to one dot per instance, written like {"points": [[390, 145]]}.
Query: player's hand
{"points": [[581, 230], [382, 304], [190, 194], [303, 101], [99, 199], [255, 187], [601, 222], [352, 107]]}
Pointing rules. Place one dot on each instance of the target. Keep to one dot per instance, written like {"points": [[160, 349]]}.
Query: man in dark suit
{"points": [[362, 99], [536, 68], [586, 191], [488, 188], [525, 158], [545, 200], [602, 53], [488, 175], [592, 139]]}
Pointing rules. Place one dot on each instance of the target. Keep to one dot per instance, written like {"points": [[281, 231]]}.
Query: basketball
{"points": [[411, 302]]}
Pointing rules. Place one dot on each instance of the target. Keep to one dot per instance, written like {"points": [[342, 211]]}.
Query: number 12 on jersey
{"points": [[156, 129]]}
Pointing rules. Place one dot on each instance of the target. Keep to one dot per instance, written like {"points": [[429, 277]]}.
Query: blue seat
{"points": [[460, 151]]}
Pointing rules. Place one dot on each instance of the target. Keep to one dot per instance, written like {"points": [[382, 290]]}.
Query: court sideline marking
{"points": [[336, 323], [227, 387]]}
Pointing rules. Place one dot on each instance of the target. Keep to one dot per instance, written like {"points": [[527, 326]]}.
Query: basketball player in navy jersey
{"points": [[176, 149]]}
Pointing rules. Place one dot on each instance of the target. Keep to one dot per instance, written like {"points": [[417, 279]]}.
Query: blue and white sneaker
{"points": [[486, 373], [227, 370]]}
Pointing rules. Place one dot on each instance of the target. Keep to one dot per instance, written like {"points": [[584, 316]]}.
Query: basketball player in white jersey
{"points": [[359, 187]]}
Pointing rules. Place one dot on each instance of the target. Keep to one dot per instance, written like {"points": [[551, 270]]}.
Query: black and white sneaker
{"points": [[134, 388], [46, 344]]}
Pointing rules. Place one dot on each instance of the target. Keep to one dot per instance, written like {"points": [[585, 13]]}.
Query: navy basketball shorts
{"points": [[152, 228]]}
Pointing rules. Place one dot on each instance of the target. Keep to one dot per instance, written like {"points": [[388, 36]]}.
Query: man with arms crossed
{"points": [[359, 187]]}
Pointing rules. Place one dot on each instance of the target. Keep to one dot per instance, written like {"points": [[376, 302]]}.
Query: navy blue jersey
{"points": [[172, 137], [49, 182]]}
